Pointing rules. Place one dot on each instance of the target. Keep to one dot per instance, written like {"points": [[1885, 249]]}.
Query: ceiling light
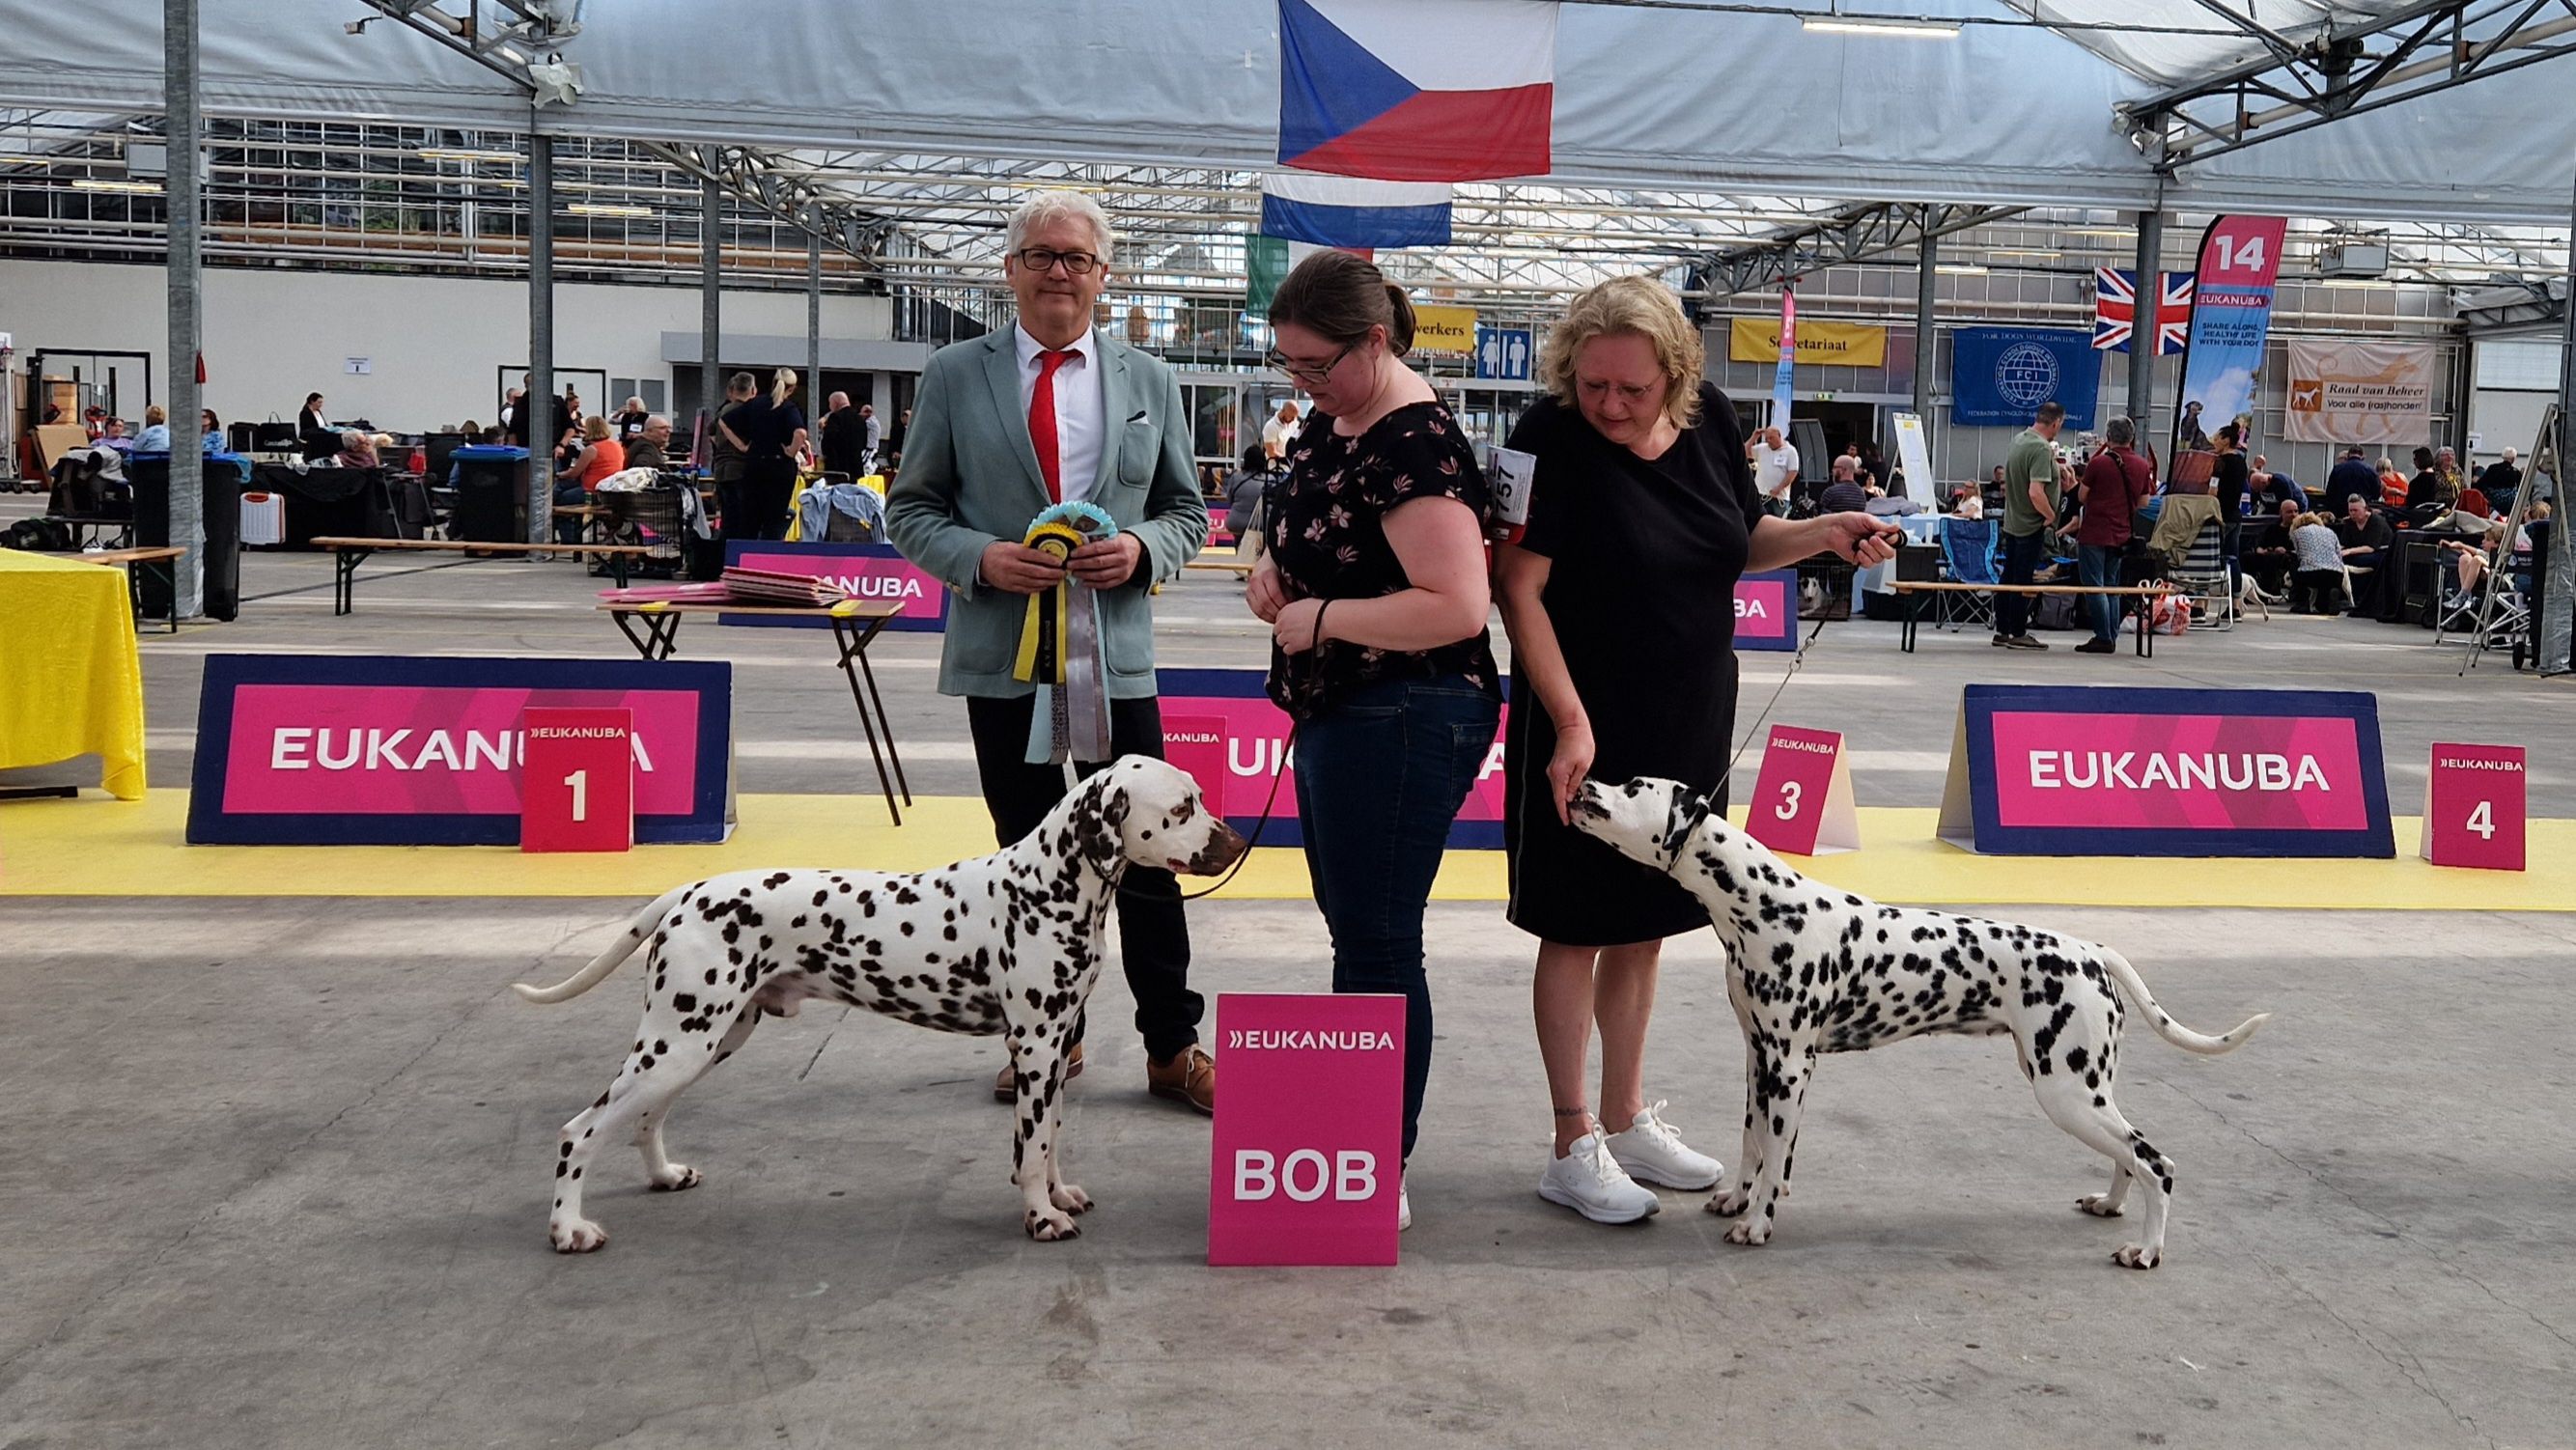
{"points": [[2018, 252], [2100, 231], [588, 208], [138, 188], [16, 160], [1959, 270], [1910, 29], [442, 153]]}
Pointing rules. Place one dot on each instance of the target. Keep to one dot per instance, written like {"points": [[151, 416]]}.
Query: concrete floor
{"points": [[278, 1174], [275, 1171]]}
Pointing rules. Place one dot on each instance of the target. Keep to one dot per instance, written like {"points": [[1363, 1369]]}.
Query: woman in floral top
{"points": [[1375, 589]]}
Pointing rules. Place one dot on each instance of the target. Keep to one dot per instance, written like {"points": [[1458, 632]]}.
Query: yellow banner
{"points": [[1842, 344], [1444, 331]]}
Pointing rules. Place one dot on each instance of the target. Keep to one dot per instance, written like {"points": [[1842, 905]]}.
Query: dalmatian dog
{"points": [[1004, 945], [1813, 969]]}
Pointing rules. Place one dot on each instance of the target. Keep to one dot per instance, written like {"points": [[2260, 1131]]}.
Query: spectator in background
{"points": [[600, 455], [1846, 494], [649, 449], [2349, 477], [845, 438], [2366, 540], [155, 437], [2115, 482], [2229, 484], [319, 438], [1775, 470], [1874, 469], [767, 431], [2447, 464], [2316, 582], [212, 430], [893, 448], [1243, 490], [630, 420], [2392, 485], [2270, 487], [872, 430], [1280, 431], [2426, 487], [357, 450], [725, 457], [2034, 481], [2275, 553], [2502, 483]]}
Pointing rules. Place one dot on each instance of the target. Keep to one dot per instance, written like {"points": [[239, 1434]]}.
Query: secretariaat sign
{"points": [[304, 750], [2057, 771]]}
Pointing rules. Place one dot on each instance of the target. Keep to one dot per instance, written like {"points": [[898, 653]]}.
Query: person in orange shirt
{"points": [[601, 455]]}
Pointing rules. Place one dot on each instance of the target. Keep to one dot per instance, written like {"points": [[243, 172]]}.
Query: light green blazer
{"points": [[970, 476]]}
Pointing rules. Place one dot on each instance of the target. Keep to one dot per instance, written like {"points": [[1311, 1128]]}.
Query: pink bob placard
{"points": [[2138, 772], [872, 572], [300, 750], [1306, 1162]]}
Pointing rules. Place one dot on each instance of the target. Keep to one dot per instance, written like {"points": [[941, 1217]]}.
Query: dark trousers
{"points": [[2022, 553], [2099, 567], [1379, 778], [1154, 937], [569, 495], [2316, 591], [754, 506]]}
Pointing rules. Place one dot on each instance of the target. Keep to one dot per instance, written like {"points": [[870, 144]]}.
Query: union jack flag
{"points": [[2115, 310]]}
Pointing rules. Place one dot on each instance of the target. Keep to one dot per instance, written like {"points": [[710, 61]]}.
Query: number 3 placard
{"points": [[2473, 807], [1803, 803], [577, 780]]}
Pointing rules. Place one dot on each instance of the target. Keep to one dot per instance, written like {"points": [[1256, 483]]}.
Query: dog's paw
{"points": [[1753, 1233], [2099, 1205], [576, 1236], [676, 1177], [1069, 1198], [1731, 1202], [1048, 1228], [2137, 1256]]}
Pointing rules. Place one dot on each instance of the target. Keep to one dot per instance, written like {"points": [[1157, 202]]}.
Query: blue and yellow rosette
{"points": [[1061, 650]]}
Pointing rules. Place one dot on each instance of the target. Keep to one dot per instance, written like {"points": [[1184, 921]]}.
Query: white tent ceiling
{"points": [[1734, 100]]}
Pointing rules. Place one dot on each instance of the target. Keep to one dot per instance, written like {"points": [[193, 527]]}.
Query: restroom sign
{"points": [[1307, 1162]]}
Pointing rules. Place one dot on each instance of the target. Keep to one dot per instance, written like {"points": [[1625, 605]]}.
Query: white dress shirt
{"points": [[1079, 406]]}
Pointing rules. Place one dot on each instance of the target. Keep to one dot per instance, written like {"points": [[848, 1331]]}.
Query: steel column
{"points": [[538, 408], [186, 282]]}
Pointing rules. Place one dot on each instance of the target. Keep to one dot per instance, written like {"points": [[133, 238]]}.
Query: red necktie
{"points": [[1042, 422]]}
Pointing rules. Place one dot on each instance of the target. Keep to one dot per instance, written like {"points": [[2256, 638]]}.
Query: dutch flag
{"points": [[1343, 211], [1417, 90]]}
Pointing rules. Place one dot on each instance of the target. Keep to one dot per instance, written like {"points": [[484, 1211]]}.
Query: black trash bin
{"points": [[491, 494], [221, 507]]}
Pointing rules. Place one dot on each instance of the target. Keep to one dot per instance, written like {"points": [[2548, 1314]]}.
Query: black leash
{"points": [[1258, 826]]}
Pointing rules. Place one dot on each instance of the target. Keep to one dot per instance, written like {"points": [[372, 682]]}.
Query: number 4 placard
{"points": [[577, 780], [1803, 803], [2473, 807]]}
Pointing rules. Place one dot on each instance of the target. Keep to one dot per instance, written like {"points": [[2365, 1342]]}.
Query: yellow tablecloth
{"points": [[71, 682]]}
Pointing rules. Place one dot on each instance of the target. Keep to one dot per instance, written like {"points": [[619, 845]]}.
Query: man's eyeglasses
{"points": [[1309, 373], [1043, 259]]}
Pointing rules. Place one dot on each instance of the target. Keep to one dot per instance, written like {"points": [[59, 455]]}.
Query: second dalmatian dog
{"points": [[1004, 945], [1812, 969]]}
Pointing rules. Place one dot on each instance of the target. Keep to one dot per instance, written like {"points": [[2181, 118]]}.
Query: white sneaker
{"points": [[1653, 1153], [1591, 1182], [1403, 1207]]}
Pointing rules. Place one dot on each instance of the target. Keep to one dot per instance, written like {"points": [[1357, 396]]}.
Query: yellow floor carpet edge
{"points": [[97, 847]]}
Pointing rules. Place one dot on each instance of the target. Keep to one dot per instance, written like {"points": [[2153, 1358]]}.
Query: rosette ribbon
{"points": [[1061, 650]]}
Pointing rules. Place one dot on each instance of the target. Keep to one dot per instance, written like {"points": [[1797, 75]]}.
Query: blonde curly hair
{"points": [[1636, 305]]}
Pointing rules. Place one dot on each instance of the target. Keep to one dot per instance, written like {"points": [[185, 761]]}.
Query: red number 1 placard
{"points": [[577, 780]]}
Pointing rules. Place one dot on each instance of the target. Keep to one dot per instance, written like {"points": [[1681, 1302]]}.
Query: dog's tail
{"points": [[2135, 988], [608, 961]]}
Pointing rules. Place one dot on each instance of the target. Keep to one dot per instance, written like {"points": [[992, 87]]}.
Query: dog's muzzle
{"points": [[1225, 846]]}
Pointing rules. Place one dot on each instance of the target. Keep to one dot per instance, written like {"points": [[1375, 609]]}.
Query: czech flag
{"points": [[1344, 211], [1417, 90]]}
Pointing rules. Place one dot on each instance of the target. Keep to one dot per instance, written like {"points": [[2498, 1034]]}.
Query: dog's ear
{"points": [[1096, 820], [1690, 809]]}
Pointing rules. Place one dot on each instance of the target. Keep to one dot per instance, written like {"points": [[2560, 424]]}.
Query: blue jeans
{"points": [[1379, 778], [569, 495], [2099, 567]]}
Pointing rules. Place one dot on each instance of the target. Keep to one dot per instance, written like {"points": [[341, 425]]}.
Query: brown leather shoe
{"points": [[1006, 1090], [1188, 1076]]}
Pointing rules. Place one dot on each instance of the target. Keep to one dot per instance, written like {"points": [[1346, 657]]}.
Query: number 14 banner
{"points": [[2231, 315]]}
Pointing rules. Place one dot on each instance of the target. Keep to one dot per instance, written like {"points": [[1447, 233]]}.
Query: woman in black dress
{"points": [[1619, 596]]}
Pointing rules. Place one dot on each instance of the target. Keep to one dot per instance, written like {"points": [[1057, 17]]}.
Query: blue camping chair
{"points": [[1968, 557]]}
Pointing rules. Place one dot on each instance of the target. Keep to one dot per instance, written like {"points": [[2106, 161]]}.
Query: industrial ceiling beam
{"points": [[2343, 70], [1858, 235]]}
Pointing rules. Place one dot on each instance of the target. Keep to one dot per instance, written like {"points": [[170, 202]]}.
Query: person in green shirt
{"points": [[2033, 483]]}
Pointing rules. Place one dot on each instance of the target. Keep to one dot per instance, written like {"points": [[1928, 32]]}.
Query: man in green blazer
{"points": [[1046, 411]]}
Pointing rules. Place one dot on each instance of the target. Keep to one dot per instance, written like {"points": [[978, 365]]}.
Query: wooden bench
{"points": [[1915, 591], [129, 560], [348, 553], [1237, 567], [855, 625]]}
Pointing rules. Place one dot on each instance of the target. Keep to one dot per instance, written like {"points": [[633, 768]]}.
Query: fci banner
{"points": [[2231, 315], [2360, 392], [1837, 344], [2002, 374], [2105, 771]]}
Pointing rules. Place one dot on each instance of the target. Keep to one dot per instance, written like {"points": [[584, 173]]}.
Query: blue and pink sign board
{"points": [[2060, 771], [302, 750], [1766, 610], [1307, 1161], [873, 572]]}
